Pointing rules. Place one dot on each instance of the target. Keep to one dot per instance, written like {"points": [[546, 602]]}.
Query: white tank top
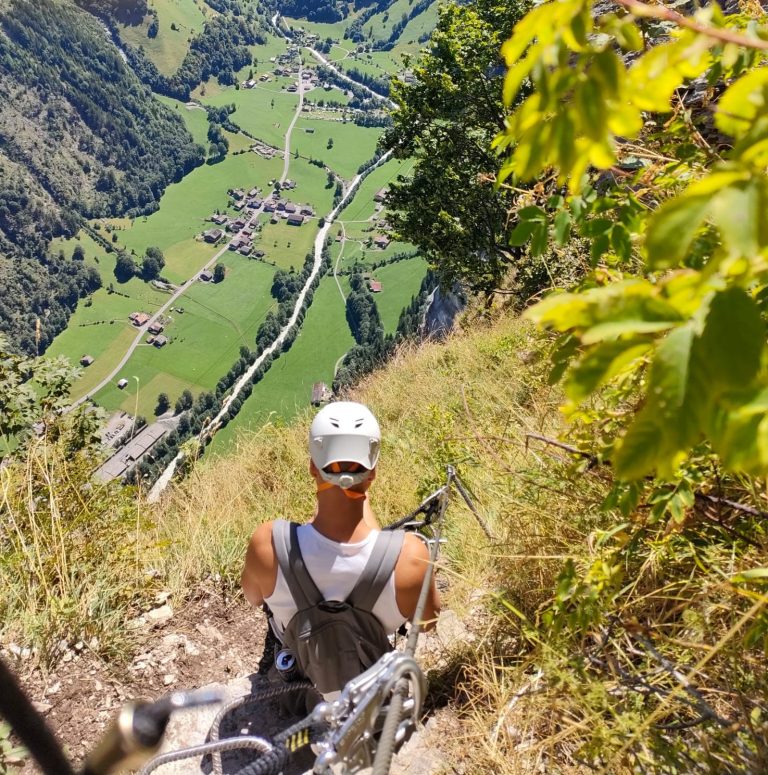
{"points": [[335, 568]]}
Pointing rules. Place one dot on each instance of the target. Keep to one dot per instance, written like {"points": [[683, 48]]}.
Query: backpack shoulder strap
{"points": [[303, 589], [378, 569]]}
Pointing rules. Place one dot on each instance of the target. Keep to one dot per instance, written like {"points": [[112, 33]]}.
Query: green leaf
{"points": [[562, 227], [672, 228], [636, 454], [733, 339], [742, 102], [540, 239], [522, 233], [531, 213], [739, 212], [631, 325], [601, 364], [753, 574], [620, 242]]}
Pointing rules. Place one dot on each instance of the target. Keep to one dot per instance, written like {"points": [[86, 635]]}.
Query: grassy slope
{"points": [[401, 282], [287, 386], [195, 119], [169, 47]]}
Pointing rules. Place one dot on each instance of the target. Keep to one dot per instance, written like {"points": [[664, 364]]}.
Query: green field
{"points": [[352, 145], [256, 112], [170, 46], [185, 206], [287, 386], [204, 340], [196, 119], [400, 281], [287, 245]]}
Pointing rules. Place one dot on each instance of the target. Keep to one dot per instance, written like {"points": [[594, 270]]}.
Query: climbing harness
{"points": [[364, 727]]}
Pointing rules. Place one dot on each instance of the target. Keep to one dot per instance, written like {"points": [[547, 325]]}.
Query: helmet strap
{"points": [[351, 494]]}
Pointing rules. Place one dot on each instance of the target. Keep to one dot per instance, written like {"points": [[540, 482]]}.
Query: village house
{"points": [[381, 241], [138, 318], [380, 195], [295, 219], [236, 193], [281, 205], [235, 244], [306, 210], [245, 250], [238, 205], [320, 393], [290, 207], [86, 360], [259, 254], [160, 341], [269, 207], [375, 286], [253, 192], [156, 328], [213, 235], [206, 276], [249, 84], [219, 218]]}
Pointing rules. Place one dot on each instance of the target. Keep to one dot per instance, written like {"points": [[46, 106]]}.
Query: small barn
{"points": [[122, 384], [86, 360]]}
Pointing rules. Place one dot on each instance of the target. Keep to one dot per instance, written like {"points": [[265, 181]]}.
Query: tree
{"points": [[78, 254], [154, 27], [219, 273], [163, 404], [125, 267], [184, 402], [150, 268], [449, 206], [329, 144]]}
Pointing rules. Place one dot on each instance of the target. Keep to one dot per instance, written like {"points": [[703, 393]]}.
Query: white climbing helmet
{"points": [[344, 431]]}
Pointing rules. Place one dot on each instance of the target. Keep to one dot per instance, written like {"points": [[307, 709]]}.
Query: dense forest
{"points": [[80, 136]]}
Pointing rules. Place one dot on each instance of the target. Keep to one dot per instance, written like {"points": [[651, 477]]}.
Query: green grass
{"points": [[185, 206], [362, 206], [352, 145], [286, 245], [255, 112], [168, 49], [195, 119], [324, 30], [401, 281], [287, 386], [204, 341], [311, 184]]}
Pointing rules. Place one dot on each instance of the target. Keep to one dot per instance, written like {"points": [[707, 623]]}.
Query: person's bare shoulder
{"points": [[260, 570], [409, 577]]}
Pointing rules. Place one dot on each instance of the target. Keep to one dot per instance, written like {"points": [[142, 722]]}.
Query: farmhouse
{"points": [[239, 205], [245, 250], [380, 195], [281, 205], [306, 210], [138, 318], [295, 219], [212, 235], [86, 360], [156, 328], [118, 465], [381, 241], [219, 218], [160, 341], [253, 192], [269, 207], [290, 207], [375, 286], [320, 393], [206, 276]]}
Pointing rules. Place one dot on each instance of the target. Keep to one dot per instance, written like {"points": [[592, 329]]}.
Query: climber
{"points": [[336, 586]]}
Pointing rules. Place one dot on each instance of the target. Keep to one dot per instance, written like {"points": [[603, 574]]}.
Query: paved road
{"points": [[188, 284]]}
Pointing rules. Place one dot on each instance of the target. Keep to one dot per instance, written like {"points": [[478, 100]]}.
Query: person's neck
{"points": [[339, 517]]}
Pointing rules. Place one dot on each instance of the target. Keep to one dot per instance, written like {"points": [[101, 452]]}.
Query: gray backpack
{"points": [[335, 640]]}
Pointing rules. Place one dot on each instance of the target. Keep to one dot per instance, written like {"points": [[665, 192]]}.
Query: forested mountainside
{"points": [[328, 10], [80, 136], [124, 11]]}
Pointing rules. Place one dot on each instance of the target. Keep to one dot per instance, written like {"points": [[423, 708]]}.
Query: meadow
{"points": [[168, 49], [196, 119], [352, 144], [287, 387], [185, 206], [400, 282], [204, 340], [287, 246]]}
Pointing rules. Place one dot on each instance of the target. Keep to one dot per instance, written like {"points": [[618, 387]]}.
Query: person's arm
{"points": [[409, 577], [260, 571]]}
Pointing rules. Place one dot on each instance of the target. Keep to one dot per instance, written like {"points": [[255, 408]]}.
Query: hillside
{"points": [[79, 135]]}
